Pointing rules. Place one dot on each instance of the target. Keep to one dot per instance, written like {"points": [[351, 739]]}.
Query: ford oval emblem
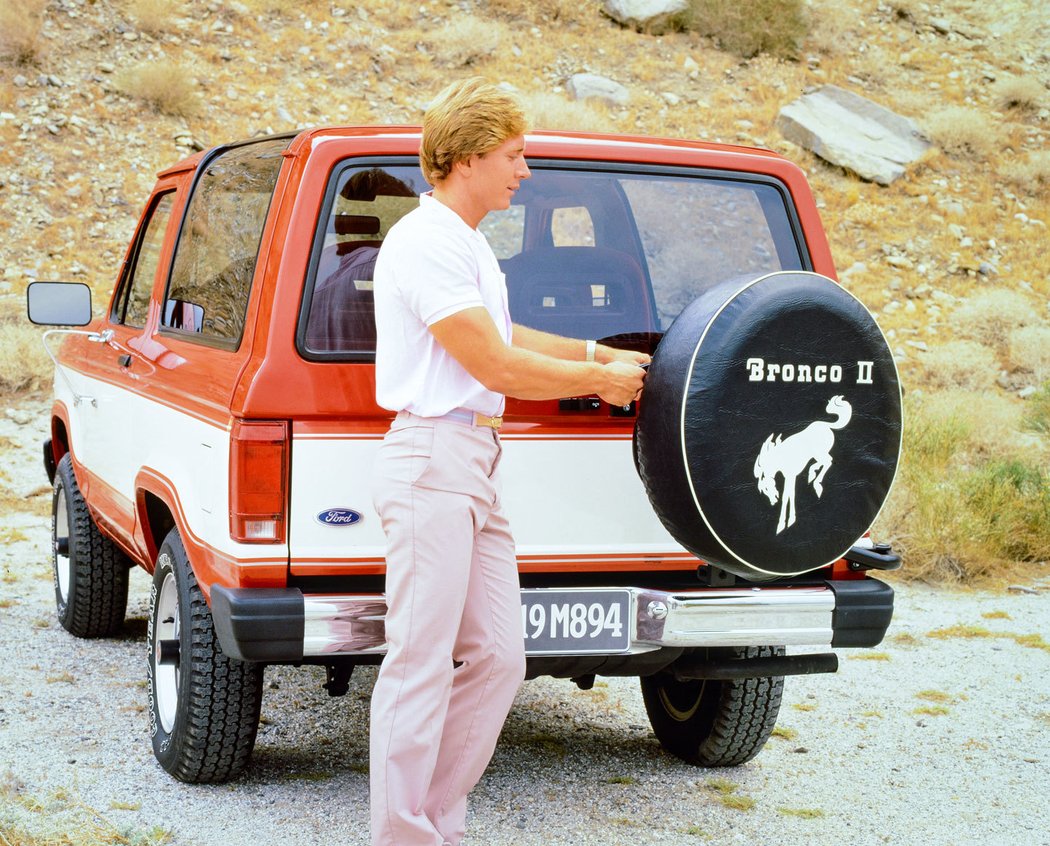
{"points": [[338, 517]]}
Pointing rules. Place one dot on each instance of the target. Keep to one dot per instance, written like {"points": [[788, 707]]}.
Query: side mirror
{"points": [[59, 303], [187, 316]]}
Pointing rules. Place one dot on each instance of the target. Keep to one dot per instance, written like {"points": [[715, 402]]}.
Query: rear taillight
{"points": [[258, 480]]}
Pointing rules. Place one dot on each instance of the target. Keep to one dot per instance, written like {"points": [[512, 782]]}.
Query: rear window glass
{"points": [[218, 244], [586, 253]]}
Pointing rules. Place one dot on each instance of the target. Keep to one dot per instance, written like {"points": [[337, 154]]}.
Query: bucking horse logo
{"points": [[789, 457]]}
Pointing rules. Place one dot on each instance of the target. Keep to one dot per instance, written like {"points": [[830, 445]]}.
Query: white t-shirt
{"points": [[431, 266]]}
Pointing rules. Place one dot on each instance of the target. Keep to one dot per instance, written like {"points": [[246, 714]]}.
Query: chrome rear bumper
{"points": [[284, 625]]}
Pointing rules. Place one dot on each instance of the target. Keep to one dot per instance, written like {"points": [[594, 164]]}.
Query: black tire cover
{"points": [[770, 429]]}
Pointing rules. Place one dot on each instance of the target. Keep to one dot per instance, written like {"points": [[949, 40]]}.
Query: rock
{"points": [[853, 132], [18, 416], [1023, 589], [987, 269], [586, 86], [652, 16], [1026, 392]]}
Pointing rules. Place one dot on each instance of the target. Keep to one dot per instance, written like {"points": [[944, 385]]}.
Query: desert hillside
{"points": [[97, 95]]}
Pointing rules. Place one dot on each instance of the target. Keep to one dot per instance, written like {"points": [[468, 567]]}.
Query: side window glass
{"points": [[505, 231], [718, 230], [338, 317], [218, 245], [572, 227], [132, 304]]}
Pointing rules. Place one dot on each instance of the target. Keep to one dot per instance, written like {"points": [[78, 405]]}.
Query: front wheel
{"points": [[90, 571], [204, 706], [714, 723]]}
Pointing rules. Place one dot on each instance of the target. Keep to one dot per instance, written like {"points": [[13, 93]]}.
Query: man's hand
{"points": [[622, 381], [605, 355]]}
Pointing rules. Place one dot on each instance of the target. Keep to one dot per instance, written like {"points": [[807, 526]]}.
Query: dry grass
{"points": [[555, 111], [1036, 417], [153, 16], [830, 22], [1030, 174], [24, 365], [20, 25], [536, 11], [960, 364], [1023, 93], [969, 504], [466, 41], [776, 27], [963, 132], [990, 317], [162, 85], [1028, 349]]}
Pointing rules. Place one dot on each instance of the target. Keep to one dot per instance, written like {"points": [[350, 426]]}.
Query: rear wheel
{"points": [[204, 706], [90, 571], [713, 723]]}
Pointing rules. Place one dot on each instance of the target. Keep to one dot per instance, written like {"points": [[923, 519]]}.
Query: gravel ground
{"points": [[927, 740]]}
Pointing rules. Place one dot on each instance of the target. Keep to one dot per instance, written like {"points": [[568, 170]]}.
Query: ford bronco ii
{"points": [[217, 423]]}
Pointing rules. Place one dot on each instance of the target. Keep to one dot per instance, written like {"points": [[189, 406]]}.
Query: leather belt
{"points": [[471, 418]]}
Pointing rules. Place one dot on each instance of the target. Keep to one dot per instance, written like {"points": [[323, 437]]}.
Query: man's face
{"points": [[498, 173]]}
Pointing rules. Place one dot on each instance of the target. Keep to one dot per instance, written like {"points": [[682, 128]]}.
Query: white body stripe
{"points": [[563, 498]]}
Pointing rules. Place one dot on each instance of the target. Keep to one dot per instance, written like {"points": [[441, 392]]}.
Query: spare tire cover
{"points": [[770, 428]]}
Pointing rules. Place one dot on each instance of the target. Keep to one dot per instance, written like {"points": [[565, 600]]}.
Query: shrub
{"points": [[962, 510], [1030, 174], [747, 29], [830, 22], [963, 132], [163, 85], [24, 365], [20, 25], [466, 41], [553, 111], [961, 364], [990, 316], [536, 11], [152, 16], [1024, 93], [1029, 350], [1037, 411]]}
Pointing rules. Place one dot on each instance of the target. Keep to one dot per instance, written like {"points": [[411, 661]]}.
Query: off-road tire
{"points": [[713, 723], [204, 707], [90, 571]]}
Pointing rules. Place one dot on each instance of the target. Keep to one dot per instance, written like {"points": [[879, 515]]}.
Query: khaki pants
{"points": [[455, 652]]}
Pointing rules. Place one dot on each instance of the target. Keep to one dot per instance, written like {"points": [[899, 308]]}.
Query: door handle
{"points": [[124, 360]]}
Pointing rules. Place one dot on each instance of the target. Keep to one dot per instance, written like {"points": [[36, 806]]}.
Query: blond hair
{"points": [[468, 117]]}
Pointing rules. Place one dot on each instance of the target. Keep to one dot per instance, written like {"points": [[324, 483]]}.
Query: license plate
{"points": [[576, 622]]}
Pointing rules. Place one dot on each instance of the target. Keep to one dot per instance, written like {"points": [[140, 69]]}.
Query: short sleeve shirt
{"points": [[432, 265]]}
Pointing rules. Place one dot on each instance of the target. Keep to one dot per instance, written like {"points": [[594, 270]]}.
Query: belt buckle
{"points": [[491, 422]]}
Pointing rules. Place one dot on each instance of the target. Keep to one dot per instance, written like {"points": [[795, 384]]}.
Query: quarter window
{"points": [[132, 306]]}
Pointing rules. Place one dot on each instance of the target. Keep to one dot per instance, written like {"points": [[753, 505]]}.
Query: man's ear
{"points": [[464, 167]]}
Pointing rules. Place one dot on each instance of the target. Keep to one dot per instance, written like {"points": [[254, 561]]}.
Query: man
{"points": [[446, 354]]}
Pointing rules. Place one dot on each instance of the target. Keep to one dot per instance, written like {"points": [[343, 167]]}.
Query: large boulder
{"points": [[853, 132], [652, 16], [591, 86]]}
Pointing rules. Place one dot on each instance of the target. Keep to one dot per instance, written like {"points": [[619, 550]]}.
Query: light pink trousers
{"points": [[455, 652]]}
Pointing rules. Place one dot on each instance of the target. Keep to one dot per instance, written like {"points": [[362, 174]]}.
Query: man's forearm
{"points": [[555, 346]]}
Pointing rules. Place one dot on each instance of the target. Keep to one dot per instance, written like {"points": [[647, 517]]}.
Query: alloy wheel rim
{"points": [[166, 676], [62, 563]]}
